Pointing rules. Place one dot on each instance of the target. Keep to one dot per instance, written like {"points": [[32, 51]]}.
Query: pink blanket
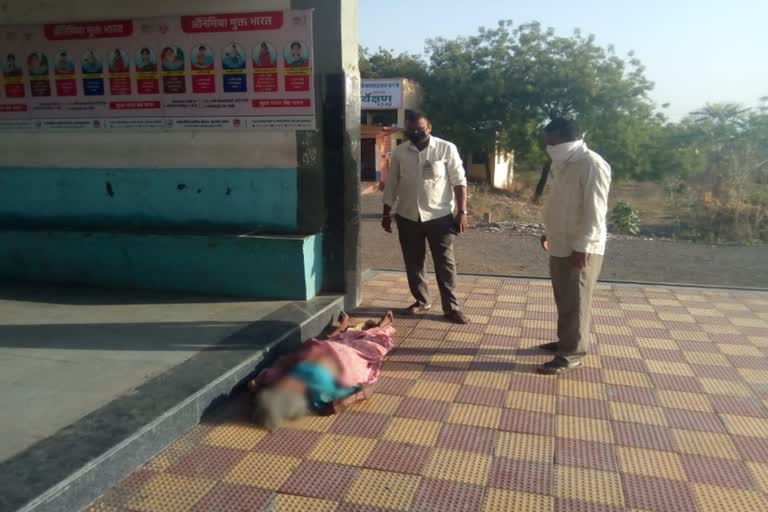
{"points": [[358, 353]]}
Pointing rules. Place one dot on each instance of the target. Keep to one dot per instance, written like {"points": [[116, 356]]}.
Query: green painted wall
{"points": [[313, 264], [249, 266], [250, 199]]}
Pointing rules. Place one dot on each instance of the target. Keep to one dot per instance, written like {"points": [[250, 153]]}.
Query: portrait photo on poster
{"points": [[201, 57], [296, 54], [118, 61], [90, 63], [11, 67], [264, 55], [233, 57], [172, 58], [146, 60], [64, 64], [37, 64]]}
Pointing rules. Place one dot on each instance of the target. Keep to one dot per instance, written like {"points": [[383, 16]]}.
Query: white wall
{"points": [[245, 149], [503, 170]]}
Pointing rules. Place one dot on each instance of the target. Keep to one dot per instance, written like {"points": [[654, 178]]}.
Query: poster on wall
{"points": [[219, 71], [381, 94]]}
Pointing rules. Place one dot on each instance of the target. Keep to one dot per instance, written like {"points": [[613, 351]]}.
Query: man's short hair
{"points": [[295, 45], [414, 117], [567, 128]]}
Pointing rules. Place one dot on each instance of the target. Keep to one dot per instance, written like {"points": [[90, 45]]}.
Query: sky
{"points": [[695, 51]]}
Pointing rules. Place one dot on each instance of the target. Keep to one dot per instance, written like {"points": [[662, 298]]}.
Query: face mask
{"points": [[417, 136], [563, 152]]}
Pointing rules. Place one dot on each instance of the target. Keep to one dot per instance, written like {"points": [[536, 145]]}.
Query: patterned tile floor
{"points": [[669, 414]]}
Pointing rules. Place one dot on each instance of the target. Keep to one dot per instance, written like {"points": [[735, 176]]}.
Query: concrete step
{"points": [[71, 468], [279, 267]]}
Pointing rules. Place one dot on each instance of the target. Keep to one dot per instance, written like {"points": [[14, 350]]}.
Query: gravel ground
{"points": [[511, 254]]}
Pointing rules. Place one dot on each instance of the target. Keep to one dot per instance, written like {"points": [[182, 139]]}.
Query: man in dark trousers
{"points": [[575, 220], [428, 186]]}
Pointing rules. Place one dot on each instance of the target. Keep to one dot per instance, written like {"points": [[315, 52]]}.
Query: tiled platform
{"points": [[669, 414]]}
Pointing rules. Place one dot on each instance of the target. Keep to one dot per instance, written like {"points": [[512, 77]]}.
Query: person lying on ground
{"points": [[326, 375]]}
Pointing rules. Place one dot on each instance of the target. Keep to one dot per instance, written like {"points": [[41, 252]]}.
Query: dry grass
{"points": [[649, 198], [501, 205], [514, 204]]}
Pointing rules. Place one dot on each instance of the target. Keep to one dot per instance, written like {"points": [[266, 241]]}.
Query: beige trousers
{"points": [[573, 296]]}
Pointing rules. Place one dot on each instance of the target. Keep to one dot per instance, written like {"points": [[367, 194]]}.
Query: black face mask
{"points": [[417, 136]]}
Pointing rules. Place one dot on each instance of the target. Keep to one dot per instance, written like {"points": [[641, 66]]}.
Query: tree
{"points": [[387, 64], [731, 175], [498, 88], [722, 130]]}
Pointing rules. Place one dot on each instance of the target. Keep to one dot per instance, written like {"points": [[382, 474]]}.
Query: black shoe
{"points": [[417, 308], [457, 317], [557, 366]]}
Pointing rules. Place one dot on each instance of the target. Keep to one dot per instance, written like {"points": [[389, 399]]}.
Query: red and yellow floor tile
{"points": [[669, 413]]}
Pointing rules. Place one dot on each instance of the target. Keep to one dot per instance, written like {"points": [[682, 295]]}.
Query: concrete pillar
{"points": [[329, 158]]}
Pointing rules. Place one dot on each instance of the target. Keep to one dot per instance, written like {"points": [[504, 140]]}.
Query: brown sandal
{"points": [[417, 308]]}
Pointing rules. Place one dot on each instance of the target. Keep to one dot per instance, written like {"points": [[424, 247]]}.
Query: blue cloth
{"points": [[91, 67], [231, 62], [322, 388]]}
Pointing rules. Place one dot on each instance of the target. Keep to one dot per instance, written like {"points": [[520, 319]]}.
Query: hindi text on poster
{"points": [[251, 70]]}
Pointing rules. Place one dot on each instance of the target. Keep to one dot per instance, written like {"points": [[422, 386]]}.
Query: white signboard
{"points": [[381, 94]]}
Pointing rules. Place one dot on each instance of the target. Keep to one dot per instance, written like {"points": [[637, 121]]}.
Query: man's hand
{"points": [[461, 222], [386, 223], [579, 260], [544, 243]]}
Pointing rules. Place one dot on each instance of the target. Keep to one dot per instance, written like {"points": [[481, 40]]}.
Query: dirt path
{"points": [[480, 252]]}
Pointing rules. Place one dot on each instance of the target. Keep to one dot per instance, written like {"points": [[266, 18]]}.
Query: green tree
{"points": [[675, 153], [730, 179], [723, 131], [504, 83], [388, 64]]}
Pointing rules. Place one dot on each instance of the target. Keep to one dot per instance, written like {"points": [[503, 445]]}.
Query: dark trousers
{"points": [[439, 233], [573, 296]]}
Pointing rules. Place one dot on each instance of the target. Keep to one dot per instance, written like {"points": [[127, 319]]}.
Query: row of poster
{"points": [[246, 70], [143, 71]]}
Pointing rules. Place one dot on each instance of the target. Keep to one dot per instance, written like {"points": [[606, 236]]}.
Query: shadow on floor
{"points": [[140, 336], [93, 296]]}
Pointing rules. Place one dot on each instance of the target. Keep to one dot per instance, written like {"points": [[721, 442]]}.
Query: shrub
{"points": [[626, 219]]}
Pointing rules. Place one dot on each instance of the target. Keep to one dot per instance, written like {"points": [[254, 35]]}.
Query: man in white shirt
{"points": [[575, 220], [426, 180]]}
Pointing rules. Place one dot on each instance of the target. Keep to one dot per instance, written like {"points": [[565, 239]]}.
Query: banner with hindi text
{"points": [[220, 71]]}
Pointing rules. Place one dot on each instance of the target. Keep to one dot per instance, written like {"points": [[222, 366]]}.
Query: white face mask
{"points": [[564, 151]]}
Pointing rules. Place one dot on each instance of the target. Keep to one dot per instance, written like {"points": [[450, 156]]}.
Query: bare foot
{"points": [[335, 329], [343, 321], [369, 324], [387, 319]]}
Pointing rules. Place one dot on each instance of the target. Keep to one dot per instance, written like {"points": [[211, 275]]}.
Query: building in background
{"points": [[495, 169], [386, 103]]}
